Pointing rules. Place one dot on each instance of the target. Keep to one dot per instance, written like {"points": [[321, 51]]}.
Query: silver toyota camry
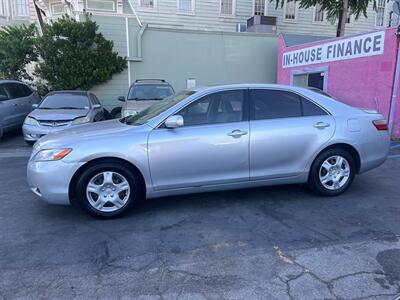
{"points": [[217, 138]]}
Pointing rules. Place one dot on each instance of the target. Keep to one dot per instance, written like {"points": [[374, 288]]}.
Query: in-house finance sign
{"points": [[359, 46]]}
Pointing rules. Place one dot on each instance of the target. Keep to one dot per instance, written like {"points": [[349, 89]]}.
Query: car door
{"points": [[9, 106], [20, 101], [286, 130], [211, 147]]}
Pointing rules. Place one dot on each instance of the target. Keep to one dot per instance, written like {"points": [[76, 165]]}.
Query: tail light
{"points": [[380, 124]]}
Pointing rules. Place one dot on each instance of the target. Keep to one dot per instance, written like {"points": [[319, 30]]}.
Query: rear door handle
{"points": [[321, 125], [237, 133]]}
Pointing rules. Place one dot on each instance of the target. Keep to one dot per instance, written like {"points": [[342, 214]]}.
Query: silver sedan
{"points": [[217, 138]]}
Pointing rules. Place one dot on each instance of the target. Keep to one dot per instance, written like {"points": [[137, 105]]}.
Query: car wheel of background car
{"points": [[116, 113], [106, 114], [332, 172], [108, 189]]}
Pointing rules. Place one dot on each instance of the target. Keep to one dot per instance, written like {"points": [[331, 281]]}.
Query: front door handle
{"points": [[321, 125], [237, 133]]}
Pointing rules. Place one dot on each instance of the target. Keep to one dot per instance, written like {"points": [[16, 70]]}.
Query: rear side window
{"points": [[274, 104], [277, 104], [311, 109]]}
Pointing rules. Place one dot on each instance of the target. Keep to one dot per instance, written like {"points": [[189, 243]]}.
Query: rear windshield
{"points": [[65, 101], [156, 109], [145, 92]]}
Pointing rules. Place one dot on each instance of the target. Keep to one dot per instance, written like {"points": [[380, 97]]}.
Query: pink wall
{"points": [[361, 82]]}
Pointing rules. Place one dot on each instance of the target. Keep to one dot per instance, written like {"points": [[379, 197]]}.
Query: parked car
{"points": [[60, 110], [16, 99], [142, 94], [217, 138]]}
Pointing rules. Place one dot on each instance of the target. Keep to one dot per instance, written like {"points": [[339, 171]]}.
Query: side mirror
{"points": [[121, 98], [34, 106], [174, 122], [96, 106]]}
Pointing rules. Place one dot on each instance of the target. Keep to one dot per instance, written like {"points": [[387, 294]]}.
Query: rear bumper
{"points": [[50, 180], [374, 152]]}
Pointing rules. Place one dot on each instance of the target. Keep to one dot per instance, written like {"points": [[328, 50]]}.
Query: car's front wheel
{"points": [[108, 189], [332, 172]]}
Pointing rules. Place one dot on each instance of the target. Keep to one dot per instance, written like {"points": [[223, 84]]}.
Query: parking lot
{"points": [[265, 243]]}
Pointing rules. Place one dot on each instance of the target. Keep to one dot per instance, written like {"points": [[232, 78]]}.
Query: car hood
{"points": [[92, 131], [58, 114]]}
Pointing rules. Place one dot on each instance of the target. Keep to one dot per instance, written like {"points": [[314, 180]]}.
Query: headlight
{"points": [[30, 121], [81, 120], [128, 112], [52, 154]]}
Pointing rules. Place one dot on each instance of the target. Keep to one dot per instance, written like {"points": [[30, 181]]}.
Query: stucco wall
{"points": [[361, 82], [177, 55]]}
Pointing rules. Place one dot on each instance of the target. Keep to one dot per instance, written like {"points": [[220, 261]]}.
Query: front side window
{"points": [[277, 104], [16, 90], [65, 101], [22, 8], [380, 13], [290, 10], [259, 7], [3, 93], [220, 107], [147, 3], [186, 6], [319, 13], [227, 7]]}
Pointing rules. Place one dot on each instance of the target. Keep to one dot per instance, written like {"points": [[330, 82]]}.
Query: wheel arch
{"points": [[75, 177], [346, 146]]}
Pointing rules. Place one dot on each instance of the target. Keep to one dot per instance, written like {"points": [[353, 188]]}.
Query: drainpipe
{"points": [[395, 89], [139, 41]]}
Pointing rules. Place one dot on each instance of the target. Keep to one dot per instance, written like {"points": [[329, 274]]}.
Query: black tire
{"points": [[135, 185], [30, 143], [116, 113], [314, 182]]}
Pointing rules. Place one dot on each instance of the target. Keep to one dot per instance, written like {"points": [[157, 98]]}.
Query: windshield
{"points": [[65, 101], [156, 109], [150, 92]]}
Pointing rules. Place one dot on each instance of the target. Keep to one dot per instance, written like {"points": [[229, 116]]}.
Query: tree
{"points": [[16, 51], [337, 9], [75, 56]]}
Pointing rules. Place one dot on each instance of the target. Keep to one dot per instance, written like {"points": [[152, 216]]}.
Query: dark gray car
{"points": [[60, 110], [16, 99]]}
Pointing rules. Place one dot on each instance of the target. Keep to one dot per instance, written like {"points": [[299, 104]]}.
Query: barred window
{"points": [[186, 6], [290, 10], [146, 3], [227, 7], [259, 7], [319, 13], [22, 8], [380, 13]]}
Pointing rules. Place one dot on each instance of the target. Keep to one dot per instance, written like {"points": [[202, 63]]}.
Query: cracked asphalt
{"points": [[265, 243]]}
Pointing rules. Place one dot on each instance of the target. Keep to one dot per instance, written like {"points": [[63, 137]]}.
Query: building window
{"points": [[259, 7], [227, 7], [22, 8], [380, 13], [57, 9], [319, 13], [186, 6], [2, 10], [102, 5], [290, 10], [147, 3]]}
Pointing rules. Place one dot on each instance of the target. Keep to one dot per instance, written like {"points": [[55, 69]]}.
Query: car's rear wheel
{"points": [[116, 113], [108, 189], [332, 172]]}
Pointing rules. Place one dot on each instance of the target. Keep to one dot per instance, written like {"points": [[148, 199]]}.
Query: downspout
{"points": [[139, 41], [395, 89]]}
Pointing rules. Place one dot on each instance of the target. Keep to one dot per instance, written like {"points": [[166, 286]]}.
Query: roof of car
{"points": [[150, 81], [74, 92], [11, 81], [248, 85]]}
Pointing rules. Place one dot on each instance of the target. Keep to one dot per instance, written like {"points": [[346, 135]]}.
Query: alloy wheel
{"points": [[334, 172]]}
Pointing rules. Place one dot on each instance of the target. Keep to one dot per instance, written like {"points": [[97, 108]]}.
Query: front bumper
{"points": [[50, 180], [34, 132]]}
